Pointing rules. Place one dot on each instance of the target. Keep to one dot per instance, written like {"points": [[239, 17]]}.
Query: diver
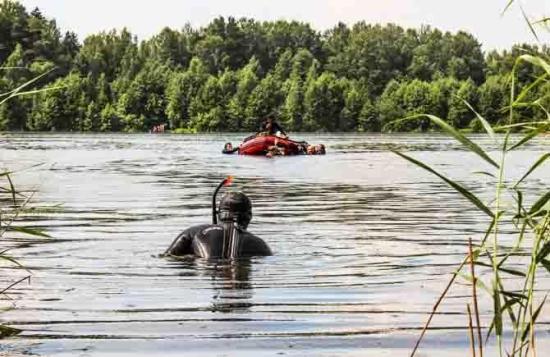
{"points": [[227, 240], [229, 149], [316, 149], [271, 127]]}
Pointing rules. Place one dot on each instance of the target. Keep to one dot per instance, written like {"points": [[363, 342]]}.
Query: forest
{"points": [[232, 73]]}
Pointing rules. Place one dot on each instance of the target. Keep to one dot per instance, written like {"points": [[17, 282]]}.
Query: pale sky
{"points": [[145, 18]]}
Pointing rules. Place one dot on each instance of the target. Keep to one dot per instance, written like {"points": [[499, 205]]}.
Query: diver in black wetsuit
{"points": [[229, 149], [226, 240], [271, 127]]}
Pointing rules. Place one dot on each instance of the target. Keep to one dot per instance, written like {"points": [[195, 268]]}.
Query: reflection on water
{"points": [[231, 288], [363, 243]]}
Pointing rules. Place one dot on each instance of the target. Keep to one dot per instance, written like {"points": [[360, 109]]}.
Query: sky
{"points": [[483, 18]]}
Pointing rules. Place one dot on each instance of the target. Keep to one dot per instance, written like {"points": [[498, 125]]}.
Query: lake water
{"points": [[363, 244]]}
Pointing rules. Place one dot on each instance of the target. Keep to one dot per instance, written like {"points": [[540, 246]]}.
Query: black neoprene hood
{"points": [[236, 206]]}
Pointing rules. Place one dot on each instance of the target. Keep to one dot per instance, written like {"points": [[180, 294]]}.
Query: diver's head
{"points": [[321, 149], [228, 147], [235, 207]]}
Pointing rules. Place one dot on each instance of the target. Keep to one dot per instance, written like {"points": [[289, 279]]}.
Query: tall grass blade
{"points": [[28, 278], [510, 2], [506, 141], [30, 231], [12, 189], [537, 61], [540, 203], [497, 310], [529, 23], [484, 122], [35, 91], [15, 92], [522, 124], [463, 191], [528, 89], [13, 261], [451, 282], [514, 295], [474, 296], [470, 145], [520, 205], [527, 138], [546, 264], [544, 20], [504, 270], [543, 252], [508, 305], [437, 303], [533, 320], [519, 240], [480, 284], [539, 162], [12, 67]]}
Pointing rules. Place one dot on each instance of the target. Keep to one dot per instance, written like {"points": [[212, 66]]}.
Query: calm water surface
{"points": [[363, 244]]}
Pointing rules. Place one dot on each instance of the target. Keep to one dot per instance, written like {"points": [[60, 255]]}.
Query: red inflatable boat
{"points": [[260, 145]]}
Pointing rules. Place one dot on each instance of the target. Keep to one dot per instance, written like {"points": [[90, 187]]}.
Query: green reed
{"points": [[514, 309], [13, 203]]}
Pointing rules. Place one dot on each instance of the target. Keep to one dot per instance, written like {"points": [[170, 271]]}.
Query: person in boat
{"points": [[271, 127], [227, 240], [229, 149]]}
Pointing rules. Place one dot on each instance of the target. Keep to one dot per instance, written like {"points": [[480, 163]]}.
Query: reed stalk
{"points": [[471, 331], [530, 224]]}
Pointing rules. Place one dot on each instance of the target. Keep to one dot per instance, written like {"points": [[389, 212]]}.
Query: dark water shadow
{"points": [[230, 279]]}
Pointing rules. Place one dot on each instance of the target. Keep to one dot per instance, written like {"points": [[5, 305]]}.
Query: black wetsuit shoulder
{"points": [[254, 246], [206, 240], [182, 244]]}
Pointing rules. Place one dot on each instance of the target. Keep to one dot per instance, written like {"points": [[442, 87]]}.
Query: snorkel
{"points": [[225, 182]]}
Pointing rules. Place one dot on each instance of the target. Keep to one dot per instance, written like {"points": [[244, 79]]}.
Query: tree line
{"points": [[231, 73]]}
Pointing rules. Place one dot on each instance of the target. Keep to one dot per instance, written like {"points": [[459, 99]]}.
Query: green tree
{"points": [[353, 105], [265, 99], [109, 119], [13, 113], [369, 118], [230, 73], [145, 97], [293, 107], [493, 97], [247, 82], [202, 106], [405, 99], [323, 103], [181, 89]]}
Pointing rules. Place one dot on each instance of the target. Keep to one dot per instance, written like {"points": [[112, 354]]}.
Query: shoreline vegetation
{"points": [[231, 73], [15, 206], [509, 273]]}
